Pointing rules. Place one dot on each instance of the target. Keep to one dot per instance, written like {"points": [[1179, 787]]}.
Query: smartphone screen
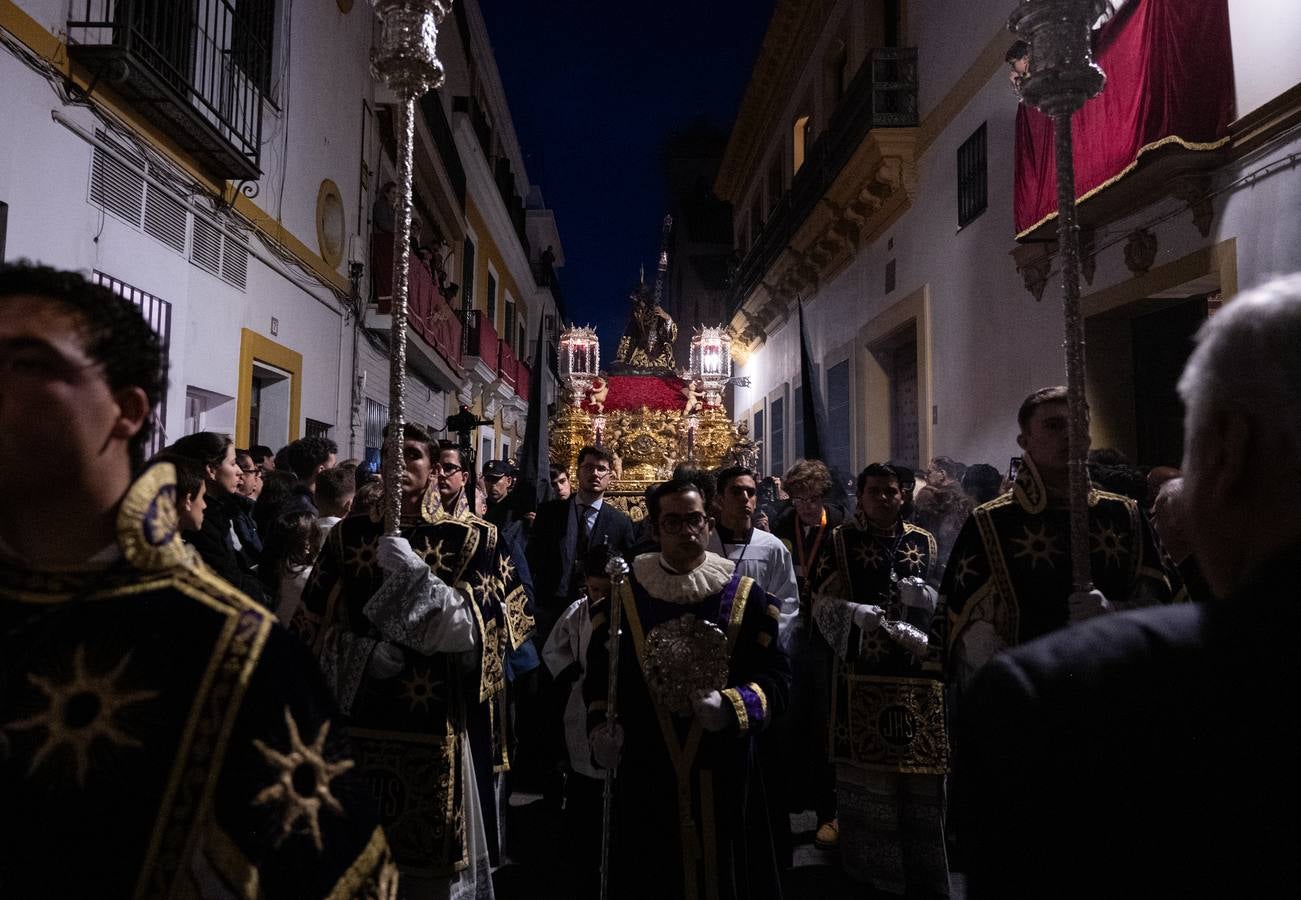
{"points": [[1014, 468]]}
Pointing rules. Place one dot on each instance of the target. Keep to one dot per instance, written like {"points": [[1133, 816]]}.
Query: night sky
{"points": [[594, 89]]}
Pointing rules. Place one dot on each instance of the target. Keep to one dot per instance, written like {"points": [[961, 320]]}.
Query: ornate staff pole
{"points": [[407, 60], [617, 569], [1062, 76]]}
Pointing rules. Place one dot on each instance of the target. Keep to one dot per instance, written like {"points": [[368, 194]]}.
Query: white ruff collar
{"points": [[710, 577]]}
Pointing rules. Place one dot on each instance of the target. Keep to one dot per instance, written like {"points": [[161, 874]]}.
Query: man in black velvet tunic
{"points": [[700, 674]]}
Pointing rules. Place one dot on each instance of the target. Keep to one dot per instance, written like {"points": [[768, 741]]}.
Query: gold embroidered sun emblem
{"points": [[506, 569], [362, 559], [488, 586], [912, 557], [434, 556], [1106, 541], [82, 709], [420, 690], [302, 784], [1037, 545], [869, 555], [965, 570]]}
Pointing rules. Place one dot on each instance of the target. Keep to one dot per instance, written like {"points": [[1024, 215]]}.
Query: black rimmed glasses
{"points": [[672, 523]]}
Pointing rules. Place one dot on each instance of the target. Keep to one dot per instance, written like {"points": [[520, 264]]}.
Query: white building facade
{"points": [[928, 324], [219, 161]]}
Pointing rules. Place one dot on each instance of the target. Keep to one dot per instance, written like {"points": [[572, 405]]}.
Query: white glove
{"points": [[708, 706], [394, 554], [386, 660], [607, 744], [867, 617], [1087, 604], [917, 594]]}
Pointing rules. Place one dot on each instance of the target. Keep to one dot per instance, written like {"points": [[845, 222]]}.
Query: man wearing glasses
{"points": [[564, 530], [700, 674]]}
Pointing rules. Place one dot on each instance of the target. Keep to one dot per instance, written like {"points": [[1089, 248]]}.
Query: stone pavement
{"points": [[535, 846]]}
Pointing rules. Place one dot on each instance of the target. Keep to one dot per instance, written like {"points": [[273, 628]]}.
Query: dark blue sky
{"points": [[594, 89]]}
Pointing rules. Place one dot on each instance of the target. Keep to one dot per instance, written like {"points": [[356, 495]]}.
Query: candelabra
{"points": [[711, 362], [1061, 77], [407, 59], [580, 360]]}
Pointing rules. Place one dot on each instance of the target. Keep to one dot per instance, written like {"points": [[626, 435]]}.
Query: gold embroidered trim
{"points": [[738, 704], [373, 868]]}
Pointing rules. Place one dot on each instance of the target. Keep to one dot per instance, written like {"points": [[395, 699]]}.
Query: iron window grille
{"points": [[973, 178]]}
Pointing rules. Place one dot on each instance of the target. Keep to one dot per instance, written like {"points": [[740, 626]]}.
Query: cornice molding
{"points": [[874, 188], [794, 27]]}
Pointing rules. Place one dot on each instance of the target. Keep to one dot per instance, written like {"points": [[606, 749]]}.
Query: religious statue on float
{"points": [[647, 342]]}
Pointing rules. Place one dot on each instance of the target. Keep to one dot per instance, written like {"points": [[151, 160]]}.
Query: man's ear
{"points": [[133, 412], [1230, 457], [1020, 441]]}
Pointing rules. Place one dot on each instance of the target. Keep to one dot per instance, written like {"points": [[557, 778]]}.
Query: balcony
{"points": [[436, 120], [523, 381], [1161, 126], [883, 95], [482, 341], [507, 366], [429, 314], [478, 120], [198, 69]]}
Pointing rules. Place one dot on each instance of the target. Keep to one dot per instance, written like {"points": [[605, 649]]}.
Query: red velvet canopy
{"points": [[1169, 71]]}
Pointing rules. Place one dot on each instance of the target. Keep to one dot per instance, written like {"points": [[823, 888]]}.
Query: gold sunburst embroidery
{"points": [[80, 710], [1106, 541], [911, 556], [434, 556], [1037, 545], [302, 785], [965, 570], [420, 689], [489, 587], [869, 555], [506, 569], [362, 558]]}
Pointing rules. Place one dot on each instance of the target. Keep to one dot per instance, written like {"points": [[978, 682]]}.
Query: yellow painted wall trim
{"points": [[486, 250], [54, 50], [253, 347]]}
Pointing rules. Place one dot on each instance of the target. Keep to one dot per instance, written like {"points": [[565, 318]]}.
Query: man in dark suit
{"points": [[1153, 753], [564, 530], [562, 534]]}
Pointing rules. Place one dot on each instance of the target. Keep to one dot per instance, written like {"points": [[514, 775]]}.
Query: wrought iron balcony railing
{"points": [[883, 94], [198, 68]]}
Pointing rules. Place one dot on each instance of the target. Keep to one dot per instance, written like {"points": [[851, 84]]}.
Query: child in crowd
{"points": [[290, 548], [565, 654]]}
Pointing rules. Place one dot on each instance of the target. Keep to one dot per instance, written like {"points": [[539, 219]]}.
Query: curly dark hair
{"points": [[115, 334], [305, 454]]}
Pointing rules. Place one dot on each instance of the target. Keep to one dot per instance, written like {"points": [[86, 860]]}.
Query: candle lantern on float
{"points": [[711, 362], [580, 361]]}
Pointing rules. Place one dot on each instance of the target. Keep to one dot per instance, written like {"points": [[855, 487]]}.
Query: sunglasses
{"points": [[449, 468]]}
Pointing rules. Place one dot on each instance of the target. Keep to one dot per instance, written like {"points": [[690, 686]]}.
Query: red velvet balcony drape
{"points": [[1169, 70]]}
